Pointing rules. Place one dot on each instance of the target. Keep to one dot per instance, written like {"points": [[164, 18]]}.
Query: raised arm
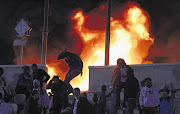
{"points": [[61, 55], [49, 85], [46, 75], [69, 88]]}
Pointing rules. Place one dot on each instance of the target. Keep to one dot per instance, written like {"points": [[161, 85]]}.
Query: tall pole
{"points": [[21, 54], [107, 44], [45, 32]]}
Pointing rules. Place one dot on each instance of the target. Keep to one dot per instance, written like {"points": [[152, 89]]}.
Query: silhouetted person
{"points": [[2, 80], [39, 74], [74, 62], [83, 105], [102, 99], [96, 106], [60, 91], [25, 82], [131, 91]]}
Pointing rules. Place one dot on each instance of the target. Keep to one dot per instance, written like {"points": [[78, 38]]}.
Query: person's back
{"points": [[60, 91], [131, 91], [39, 74], [132, 87], [102, 99], [83, 105], [74, 62]]}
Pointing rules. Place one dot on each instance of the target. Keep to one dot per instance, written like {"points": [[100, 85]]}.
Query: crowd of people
{"points": [[147, 99], [31, 96]]}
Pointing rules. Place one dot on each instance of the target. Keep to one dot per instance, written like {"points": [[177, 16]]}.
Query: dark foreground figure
{"points": [[60, 91]]}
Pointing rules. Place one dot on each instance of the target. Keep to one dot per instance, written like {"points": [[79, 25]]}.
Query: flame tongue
{"points": [[130, 40]]}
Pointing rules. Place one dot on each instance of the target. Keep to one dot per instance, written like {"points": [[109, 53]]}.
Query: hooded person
{"points": [[43, 96]]}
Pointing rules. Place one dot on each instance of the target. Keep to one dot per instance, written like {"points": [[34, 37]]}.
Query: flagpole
{"points": [[107, 42]]}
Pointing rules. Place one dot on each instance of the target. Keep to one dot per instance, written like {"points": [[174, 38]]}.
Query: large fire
{"points": [[130, 39]]}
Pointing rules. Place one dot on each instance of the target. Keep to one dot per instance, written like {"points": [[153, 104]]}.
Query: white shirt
{"points": [[149, 97]]}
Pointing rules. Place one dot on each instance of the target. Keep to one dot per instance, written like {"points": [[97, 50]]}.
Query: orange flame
{"points": [[130, 40]]}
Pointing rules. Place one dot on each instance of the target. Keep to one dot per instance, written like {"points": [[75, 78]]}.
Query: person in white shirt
{"points": [[123, 77], [149, 98], [118, 82]]}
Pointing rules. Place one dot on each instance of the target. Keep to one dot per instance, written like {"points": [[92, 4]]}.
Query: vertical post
{"points": [[21, 54], [45, 32], [107, 42]]}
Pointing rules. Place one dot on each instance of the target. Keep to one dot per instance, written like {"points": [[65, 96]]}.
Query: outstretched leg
{"points": [[71, 74]]}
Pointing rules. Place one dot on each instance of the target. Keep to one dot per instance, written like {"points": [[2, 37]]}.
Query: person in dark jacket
{"points": [[25, 82], [131, 91], [39, 74], [74, 62], [60, 91]]}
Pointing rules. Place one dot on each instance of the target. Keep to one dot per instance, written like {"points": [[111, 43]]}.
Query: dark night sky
{"points": [[164, 17]]}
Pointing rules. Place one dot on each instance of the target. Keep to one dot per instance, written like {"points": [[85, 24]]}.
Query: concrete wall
{"points": [[11, 73], [161, 74]]}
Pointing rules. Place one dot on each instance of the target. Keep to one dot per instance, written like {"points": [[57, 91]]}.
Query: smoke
{"points": [[6, 42], [165, 28]]}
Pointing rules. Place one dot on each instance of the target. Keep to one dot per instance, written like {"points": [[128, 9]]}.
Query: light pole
{"points": [[45, 32], [107, 42]]}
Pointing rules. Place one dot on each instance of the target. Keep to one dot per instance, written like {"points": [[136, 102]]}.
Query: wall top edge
{"points": [[10, 66], [155, 64]]}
